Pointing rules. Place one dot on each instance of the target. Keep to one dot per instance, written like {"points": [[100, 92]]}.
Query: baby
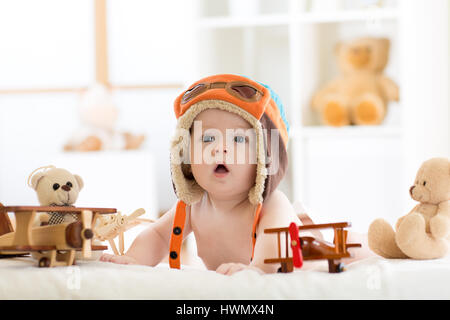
{"points": [[227, 158]]}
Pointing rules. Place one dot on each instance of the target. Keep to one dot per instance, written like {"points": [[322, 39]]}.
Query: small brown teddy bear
{"points": [[424, 233], [361, 93]]}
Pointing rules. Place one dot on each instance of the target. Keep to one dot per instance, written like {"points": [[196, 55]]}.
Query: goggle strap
{"points": [[202, 87]]}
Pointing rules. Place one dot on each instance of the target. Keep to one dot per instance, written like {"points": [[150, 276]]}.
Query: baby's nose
{"points": [[219, 149]]}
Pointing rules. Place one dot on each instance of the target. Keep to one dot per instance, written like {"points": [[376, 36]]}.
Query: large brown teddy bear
{"points": [[424, 233], [361, 93]]}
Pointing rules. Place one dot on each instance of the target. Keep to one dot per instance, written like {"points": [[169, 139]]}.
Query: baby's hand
{"points": [[230, 268], [117, 259]]}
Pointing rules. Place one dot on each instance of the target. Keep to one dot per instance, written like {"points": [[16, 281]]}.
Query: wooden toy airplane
{"points": [[113, 226], [51, 245], [312, 248]]}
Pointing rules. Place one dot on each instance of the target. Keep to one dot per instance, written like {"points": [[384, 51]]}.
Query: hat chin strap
{"points": [[176, 238], [255, 224]]}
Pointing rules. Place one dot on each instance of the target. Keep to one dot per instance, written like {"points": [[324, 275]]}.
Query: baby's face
{"points": [[223, 153]]}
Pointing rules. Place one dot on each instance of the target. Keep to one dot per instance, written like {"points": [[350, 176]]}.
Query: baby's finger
{"points": [[106, 257], [223, 268], [235, 268]]}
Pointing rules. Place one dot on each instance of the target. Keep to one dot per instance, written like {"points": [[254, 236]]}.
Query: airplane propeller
{"points": [[135, 214], [86, 233]]}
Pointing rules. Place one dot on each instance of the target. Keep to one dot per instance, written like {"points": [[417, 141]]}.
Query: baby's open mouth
{"points": [[221, 168]]}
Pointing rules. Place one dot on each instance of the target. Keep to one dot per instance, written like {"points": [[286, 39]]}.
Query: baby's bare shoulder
{"points": [[277, 198], [277, 210]]}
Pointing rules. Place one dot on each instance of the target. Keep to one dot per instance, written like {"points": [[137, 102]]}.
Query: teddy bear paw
{"points": [[335, 114], [368, 112]]}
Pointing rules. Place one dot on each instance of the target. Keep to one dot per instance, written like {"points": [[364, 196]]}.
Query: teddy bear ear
{"points": [[79, 181], [386, 43], [36, 179]]}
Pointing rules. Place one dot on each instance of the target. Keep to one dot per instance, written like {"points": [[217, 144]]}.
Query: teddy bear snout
{"points": [[65, 188]]}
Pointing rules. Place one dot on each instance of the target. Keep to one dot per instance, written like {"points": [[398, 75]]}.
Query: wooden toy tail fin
{"points": [[5, 223]]}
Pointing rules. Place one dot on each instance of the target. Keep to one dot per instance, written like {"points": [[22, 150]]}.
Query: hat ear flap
{"points": [[276, 156], [36, 179]]}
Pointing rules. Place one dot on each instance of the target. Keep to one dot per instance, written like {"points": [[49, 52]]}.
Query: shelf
{"points": [[347, 16], [236, 22], [324, 132], [308, 17]]}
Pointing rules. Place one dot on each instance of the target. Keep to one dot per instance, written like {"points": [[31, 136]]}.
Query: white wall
{"points": [[425, 77], [46, 42], [50, 43]]}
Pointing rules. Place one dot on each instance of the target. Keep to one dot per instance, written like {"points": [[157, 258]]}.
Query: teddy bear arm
{"points": [[415, 242], [389, 88], [440, 223], [398, 223], [444, 208], [399, 220]]}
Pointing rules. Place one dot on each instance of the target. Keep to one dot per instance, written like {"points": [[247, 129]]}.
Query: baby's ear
{"points": [[36, 179], [79, 181]]}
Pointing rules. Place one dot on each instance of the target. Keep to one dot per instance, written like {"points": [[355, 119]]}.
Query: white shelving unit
{"points": [[291, 48], [303, 18]]}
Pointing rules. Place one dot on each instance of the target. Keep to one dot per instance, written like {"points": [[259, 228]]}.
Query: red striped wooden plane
{"points": [[312, 248]]}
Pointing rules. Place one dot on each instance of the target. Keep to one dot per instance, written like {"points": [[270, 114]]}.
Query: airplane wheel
{"points": [[340, 268], [335, 267], [44, 263]]}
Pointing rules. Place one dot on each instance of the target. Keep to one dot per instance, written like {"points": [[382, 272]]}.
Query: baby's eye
{"points": [[239, 139], [207, 138]]}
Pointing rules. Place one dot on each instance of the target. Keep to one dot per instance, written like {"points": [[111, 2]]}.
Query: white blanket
{"points": [[372, 278]]}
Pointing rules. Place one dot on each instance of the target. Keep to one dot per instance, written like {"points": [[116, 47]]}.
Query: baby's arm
{"points": [[278, 212], [152, 244]]}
